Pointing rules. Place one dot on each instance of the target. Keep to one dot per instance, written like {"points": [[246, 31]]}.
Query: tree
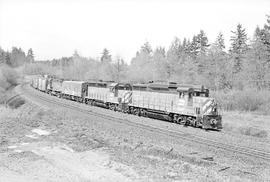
{"points": [[17, 57], [146, 48], [120, 68], [160, 64], [30, 56], [218, 68], [2, 56], [219, 44], [257, 67], [238, 48], [141, 68], [75, 54], [202, 42], [173, 57], [199, 44], [106, 57]]}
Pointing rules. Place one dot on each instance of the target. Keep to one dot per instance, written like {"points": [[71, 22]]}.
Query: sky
{"points": [[56, 28]]}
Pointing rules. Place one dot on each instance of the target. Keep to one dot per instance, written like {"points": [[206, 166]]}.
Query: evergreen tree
{"points": [[75, 54], [146, 48], [238, 48], [219, 44], [176, 48], [199, 45], [17, 57], [218, 69], [257, 68], [106, 57], [186, 46], [30, 56], [194, 47], [202, 42]]}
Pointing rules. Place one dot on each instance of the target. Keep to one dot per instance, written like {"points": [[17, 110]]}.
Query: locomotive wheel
{"points": [[143, 113], [136, 112], [179, 120], [111, 107]]}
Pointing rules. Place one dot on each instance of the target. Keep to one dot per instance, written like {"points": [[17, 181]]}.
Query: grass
{"points": [[247, 123], [246, 112]]}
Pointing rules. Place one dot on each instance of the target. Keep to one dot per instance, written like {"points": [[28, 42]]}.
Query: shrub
{"points": [[8, 78], [246, 100]]}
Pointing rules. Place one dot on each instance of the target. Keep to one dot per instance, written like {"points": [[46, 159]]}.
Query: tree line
{"points": [[196, 61], [16, 57]]}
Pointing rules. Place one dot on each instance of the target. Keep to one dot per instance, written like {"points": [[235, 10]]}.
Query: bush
{"points": [[246, 100], [8, 78]]}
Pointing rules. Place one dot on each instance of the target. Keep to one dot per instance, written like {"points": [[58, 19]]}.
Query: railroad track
{"points": [[175, 134]]}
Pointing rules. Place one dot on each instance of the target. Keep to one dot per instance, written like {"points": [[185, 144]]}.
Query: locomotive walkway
{"points": [[235, 149]]}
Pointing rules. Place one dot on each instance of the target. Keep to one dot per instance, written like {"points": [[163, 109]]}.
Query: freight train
{"points": [[189, 105]]}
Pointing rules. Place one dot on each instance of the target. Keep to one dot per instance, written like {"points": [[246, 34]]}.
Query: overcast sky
{"points": [[55, 28]]}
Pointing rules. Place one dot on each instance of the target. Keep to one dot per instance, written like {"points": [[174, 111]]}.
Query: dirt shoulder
{"points": [[32, 148]]}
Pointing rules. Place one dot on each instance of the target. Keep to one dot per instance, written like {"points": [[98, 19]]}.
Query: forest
{"points": [[238, 76]]}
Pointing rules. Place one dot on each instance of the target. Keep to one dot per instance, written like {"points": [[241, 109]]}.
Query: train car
{"points": [[189, 105], [54, 86], [42, 84], [74, 90], [114, 96], [34, 82]]}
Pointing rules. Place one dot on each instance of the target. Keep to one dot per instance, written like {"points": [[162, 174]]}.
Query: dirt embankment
{"points": [[33, 149]]}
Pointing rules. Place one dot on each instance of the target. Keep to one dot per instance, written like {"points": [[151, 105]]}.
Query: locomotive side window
{"points": [[181, 95]]}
